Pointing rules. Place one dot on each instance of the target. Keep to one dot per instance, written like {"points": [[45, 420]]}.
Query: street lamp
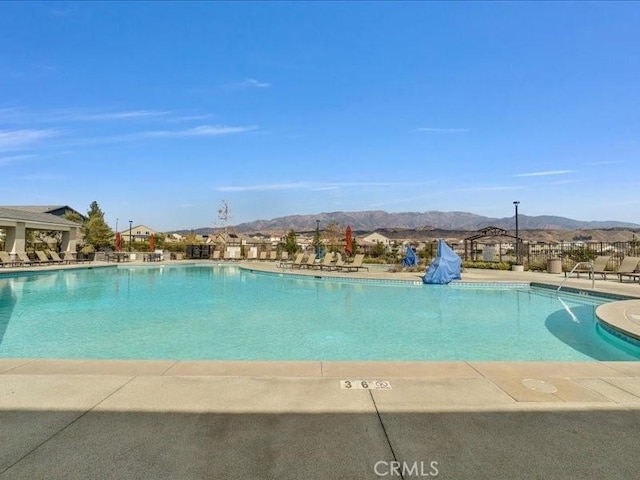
{"points": [[130, 237], [316, 239], [516, 203]]}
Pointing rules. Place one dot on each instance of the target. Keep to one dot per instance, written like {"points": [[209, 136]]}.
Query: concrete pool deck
{"points": [[293, 420]]}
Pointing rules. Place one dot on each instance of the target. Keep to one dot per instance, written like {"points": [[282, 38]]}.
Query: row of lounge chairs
{"points": [[23, 259], [628, 268], [273, 256], [330, 262]]}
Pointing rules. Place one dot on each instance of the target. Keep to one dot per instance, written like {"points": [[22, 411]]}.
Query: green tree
{"points": [[378, 250], [581, 254], [191, 238], [96, 231], [316, 239], [74, 217], [291, 242]]}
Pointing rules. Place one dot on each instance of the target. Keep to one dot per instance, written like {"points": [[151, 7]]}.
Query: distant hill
{"points": [[369, 221]]}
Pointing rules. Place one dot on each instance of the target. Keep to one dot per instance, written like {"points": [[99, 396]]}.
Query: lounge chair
{"points": [[5, 260], [356, 265], [628, 267], [56, 258], [42, 258], [284, 256], [72, 257], [599, 267], [311, 261], [22, 256], [327, 262], [339, 264], [297, 262], [45, 259]]}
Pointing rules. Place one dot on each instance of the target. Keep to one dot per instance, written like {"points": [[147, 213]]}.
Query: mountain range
{"points": [[368, 221]]}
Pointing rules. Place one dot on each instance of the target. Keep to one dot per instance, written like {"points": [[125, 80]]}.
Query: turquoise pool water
{"points": [[224, 313]]}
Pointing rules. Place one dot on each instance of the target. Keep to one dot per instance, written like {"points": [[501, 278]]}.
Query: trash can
{"points": [[554, 265]]}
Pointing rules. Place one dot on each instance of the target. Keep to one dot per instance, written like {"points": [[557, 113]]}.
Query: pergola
{"points": [[487, 232], [16, 222]]}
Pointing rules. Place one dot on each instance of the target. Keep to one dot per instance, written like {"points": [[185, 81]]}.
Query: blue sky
{"points": [[160, 111]]}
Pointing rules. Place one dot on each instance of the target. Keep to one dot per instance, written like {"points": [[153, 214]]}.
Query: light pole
{"points": [[516, 203], [316, 239], [131, 238]]}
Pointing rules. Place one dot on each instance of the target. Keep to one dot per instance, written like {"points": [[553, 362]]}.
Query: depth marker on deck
{"points": [[365, 385]]}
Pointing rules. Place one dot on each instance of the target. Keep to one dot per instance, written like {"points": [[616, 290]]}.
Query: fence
{"points": [[199, 251], [535, 255]]}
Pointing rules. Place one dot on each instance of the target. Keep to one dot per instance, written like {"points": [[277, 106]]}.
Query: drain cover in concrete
{"points": [[539, 385]]}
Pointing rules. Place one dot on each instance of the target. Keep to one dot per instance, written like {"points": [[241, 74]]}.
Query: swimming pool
{"points": [[211, 312]]}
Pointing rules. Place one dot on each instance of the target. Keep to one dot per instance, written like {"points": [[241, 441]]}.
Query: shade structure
{"points": [[118, 242], [152, 242], [410, 258], [348, 239]]}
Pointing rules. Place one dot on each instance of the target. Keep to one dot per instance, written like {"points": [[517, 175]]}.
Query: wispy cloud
{"points": [[123, 115], [253, 83], [19, 139], [21, 115], [200, 131], [440, 130], [496, 188], [247, 84], [190, 118], [544, 173]]}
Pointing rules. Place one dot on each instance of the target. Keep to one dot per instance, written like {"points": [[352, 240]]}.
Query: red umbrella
{"points": [[348, 247], [152, 243], [118, 242]]}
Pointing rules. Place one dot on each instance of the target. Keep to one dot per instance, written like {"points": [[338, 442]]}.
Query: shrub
{"points": [[538, 265], [581, 254], [487, 265]]}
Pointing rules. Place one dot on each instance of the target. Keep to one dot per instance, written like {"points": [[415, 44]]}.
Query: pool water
{"points": [[210, 312]]}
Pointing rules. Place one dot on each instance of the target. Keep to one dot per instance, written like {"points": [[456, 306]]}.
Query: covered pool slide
{"points": [[445, 267]]}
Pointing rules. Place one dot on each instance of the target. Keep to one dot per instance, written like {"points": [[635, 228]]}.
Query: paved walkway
{"points": [[67, 419]]}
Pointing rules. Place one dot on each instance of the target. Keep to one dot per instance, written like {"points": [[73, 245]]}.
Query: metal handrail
{"points": [[593, 277]]}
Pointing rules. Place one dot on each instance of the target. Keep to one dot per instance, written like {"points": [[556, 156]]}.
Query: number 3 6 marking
{"points": [[365, 385]]}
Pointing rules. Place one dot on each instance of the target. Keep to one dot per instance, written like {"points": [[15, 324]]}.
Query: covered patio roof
{"points": [[16, 222], [9, 217]]}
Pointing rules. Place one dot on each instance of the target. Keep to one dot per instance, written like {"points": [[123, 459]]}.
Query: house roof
{"points": [[37, 208], [44, 208], [37, 217]]}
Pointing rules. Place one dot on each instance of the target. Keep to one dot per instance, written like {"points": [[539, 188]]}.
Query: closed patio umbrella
{"points": [[118, 242], [152, 243], [348, 238]]}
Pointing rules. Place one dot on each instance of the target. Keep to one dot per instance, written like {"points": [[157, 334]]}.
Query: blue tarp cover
{"points": [[410, 259], [445, 267]]}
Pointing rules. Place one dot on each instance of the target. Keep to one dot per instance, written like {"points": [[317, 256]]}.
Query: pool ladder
{"points": [[593, 277]]}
